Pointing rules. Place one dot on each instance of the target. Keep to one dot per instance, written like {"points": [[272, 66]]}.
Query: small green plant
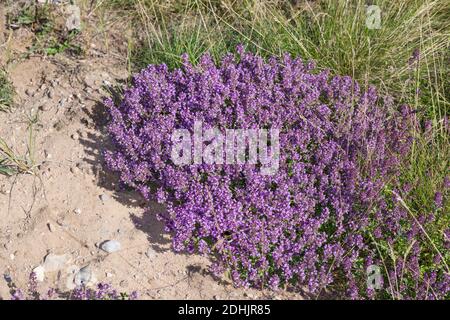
{"points": [[12, 163], [25, 17], [6, 91], [53, 45], [45, 22]]}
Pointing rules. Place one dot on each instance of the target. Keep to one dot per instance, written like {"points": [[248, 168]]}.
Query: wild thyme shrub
{"points": [[311, 222]]}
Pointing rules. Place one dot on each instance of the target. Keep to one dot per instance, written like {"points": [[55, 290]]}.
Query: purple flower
{"points": [[274, 282], [17, 295], [415, 57], [103, 291], [438, 199], [447, 182], [134, 295]]}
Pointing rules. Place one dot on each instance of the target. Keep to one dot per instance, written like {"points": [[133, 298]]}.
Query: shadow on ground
{"points": [[95, 144]]}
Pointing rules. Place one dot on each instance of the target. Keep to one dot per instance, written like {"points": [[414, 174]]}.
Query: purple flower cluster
{"points": [[103, 291], [304, 225]]}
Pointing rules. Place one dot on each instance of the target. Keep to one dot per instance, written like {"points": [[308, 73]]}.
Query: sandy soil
{"points": [[70, 205]]}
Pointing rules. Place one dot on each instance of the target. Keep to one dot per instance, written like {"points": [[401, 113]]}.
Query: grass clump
{"points": [[46, 22], [11, 163], [6, 91], [333, 33]]}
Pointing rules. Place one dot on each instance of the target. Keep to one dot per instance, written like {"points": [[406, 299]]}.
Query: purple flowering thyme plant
{"points": [[309, 224]]}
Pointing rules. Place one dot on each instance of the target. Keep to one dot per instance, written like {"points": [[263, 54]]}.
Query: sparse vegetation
{"points": [[6, 91], [11, 162], [46, 22], [102, 291]]}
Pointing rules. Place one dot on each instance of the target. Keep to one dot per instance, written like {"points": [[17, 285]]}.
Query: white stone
{"points": [[39, 271], [75, 136], [73, 21], [104, 197], [150, 253], [111, 246], [83, 277], [53, 262]]}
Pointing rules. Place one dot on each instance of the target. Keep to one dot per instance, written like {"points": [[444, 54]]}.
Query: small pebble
{"points": [[150, 253], [61, 103], [59, 125], [45, 107], [40, 273], [74, 170], [84, 167], [83, 276], [77, 211], [123, 283], [110, 246], [104, 197], [53, 262], [45, 166], [75, 136]]}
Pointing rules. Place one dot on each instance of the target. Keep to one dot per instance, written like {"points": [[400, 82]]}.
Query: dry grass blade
{"points": [[10, 162]]}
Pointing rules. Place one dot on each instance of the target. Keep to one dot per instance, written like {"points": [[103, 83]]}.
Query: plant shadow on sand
{"points": [[95, 144]]}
